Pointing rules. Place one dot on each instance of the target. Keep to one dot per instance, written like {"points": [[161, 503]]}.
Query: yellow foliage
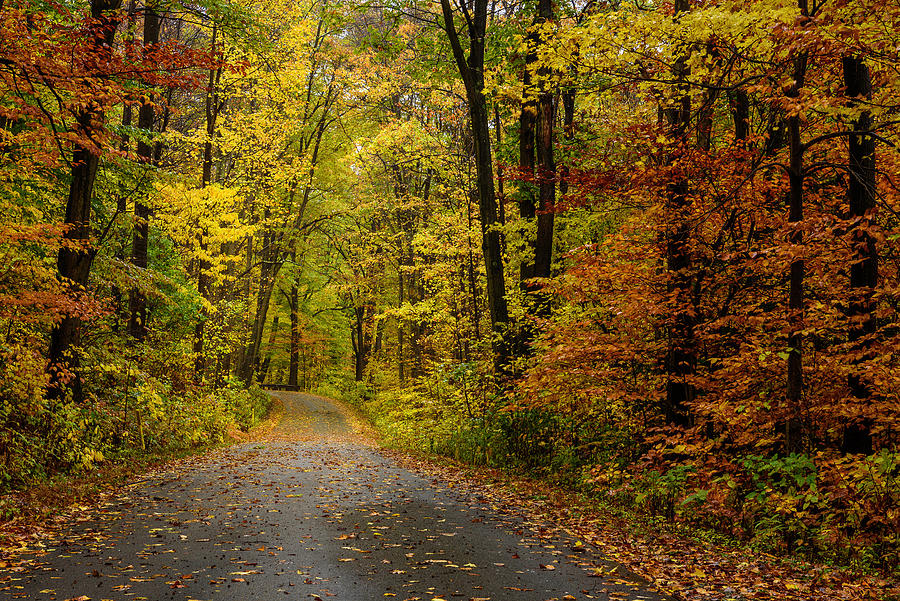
{"points": [[202, 222]]}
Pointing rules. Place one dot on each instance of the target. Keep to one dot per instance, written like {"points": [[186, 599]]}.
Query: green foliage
{"points": [[246, 407], [139, 413], [795, 504]]}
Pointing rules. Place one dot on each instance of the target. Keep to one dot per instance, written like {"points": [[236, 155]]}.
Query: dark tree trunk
{"points": [[74, 260], [137, 321], [294, 359], [471, 70], [361, 337], [121, 208], [122, 197], [417, 329], [740, 112], [568, 103], [269, 269], [264, 368], [203, 265], [473, 280], [546, 168], [357, 339], [401, 364], [527, 124], [681, 359], [791, 425], [501, 195], [864, 268]]}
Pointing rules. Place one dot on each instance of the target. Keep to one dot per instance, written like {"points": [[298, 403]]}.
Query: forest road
{"points": [[313, 511]]}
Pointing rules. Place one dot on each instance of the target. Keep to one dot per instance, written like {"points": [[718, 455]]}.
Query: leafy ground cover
{"points": [[687, 567]]}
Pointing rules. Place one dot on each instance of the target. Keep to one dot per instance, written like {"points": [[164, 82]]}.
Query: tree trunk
{"points": [[568, 102], [527, 123], [401, 371], [471, 71], [203, 265], [473, 280], [137, 321], [264, 368], [791, 426], [681, 359], [268, 273], [501, 195], [546, 169], [740, 112], [864, 267], [122, 197], [74, 260], [362, 338], [356, 336], [294, 360]]}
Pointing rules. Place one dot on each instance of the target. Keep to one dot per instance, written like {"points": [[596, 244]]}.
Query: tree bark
{"points": [[137, 321], [471, 70], [740, 112], [857, 436], [269, 268], [791, 426], [74, 260], [264, 368], [546, 168], [401, 363], [568, 102], [681, 358], [527, 124], [294, 359], [212, 108]]}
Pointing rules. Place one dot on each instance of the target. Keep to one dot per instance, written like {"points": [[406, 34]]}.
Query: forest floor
{"points": [[310, 507]]}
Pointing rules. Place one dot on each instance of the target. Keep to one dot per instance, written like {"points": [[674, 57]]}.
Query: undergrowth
{"points": [[840, 510], [150, 417]]}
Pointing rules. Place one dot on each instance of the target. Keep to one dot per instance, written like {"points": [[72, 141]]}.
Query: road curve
{"points": [[314, 511]]}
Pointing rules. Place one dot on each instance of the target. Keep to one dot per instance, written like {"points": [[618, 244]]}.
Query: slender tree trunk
{"points": [[681, 360], [864, 267], [264, 368], [471, 70], [268, 273], [203, 264], [137, 321], [294, 359], [546, 168], [401, 364], [473, 280], [791, 426], [121, 209], [357, 339], [501, 195], [122, 197], [74, 260], [568, 103], [740, 112], [528, 115]]}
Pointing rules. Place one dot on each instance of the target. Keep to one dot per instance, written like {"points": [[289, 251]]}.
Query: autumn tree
{"points": [[74, 261]]}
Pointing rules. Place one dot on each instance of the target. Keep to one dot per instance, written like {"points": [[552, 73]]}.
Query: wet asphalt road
{"points": [[312, 512]]}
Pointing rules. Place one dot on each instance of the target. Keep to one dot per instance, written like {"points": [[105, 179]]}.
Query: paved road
{"points": [[313, 512]]}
